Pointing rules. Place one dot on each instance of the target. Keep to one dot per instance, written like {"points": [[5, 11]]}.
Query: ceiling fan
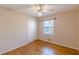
{"points": [[40, 8]]}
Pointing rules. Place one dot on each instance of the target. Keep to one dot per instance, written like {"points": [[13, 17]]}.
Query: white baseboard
{"points": [[60, 44], [30, 42], [14, 48]]}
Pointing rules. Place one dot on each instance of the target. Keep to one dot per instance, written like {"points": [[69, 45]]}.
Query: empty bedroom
{"points": [[39, 29]]}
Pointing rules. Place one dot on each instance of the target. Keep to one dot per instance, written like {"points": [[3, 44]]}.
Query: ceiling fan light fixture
{"points": [[45, 7], [45, 10], [36, 7], [40, 8], [40, 14]]}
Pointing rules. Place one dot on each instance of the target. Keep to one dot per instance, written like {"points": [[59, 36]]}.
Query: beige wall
{"points": [[78, 28], [66, 29], [14, 29]]}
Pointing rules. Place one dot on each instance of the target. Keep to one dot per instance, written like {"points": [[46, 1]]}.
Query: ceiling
{"points": [[51, 8]]}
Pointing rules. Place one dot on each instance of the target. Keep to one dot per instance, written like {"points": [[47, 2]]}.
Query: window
{"points": [[48, 26]]}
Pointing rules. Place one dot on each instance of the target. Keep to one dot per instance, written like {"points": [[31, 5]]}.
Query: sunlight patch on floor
{"points": [[48, 51]]}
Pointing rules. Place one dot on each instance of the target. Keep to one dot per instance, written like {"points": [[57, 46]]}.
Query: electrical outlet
{"points": [[49, 39]]}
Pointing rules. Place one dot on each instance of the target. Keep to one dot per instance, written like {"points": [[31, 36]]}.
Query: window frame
{"points": [[51, 27]]}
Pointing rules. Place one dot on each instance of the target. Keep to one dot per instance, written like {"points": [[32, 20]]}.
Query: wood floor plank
{"points": [[39, 47]]}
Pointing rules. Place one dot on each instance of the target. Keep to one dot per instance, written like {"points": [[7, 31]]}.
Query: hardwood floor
{"points": [[39, 47]]}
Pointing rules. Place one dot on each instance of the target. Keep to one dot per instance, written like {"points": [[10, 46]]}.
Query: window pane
{"points": [[51, 23], [51, 30], [48, 26], [46, 23], [46, 30]]}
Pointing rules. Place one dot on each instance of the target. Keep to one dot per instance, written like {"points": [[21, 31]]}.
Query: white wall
{"points": [[32, 30], [14, 31], [65, 29]]}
